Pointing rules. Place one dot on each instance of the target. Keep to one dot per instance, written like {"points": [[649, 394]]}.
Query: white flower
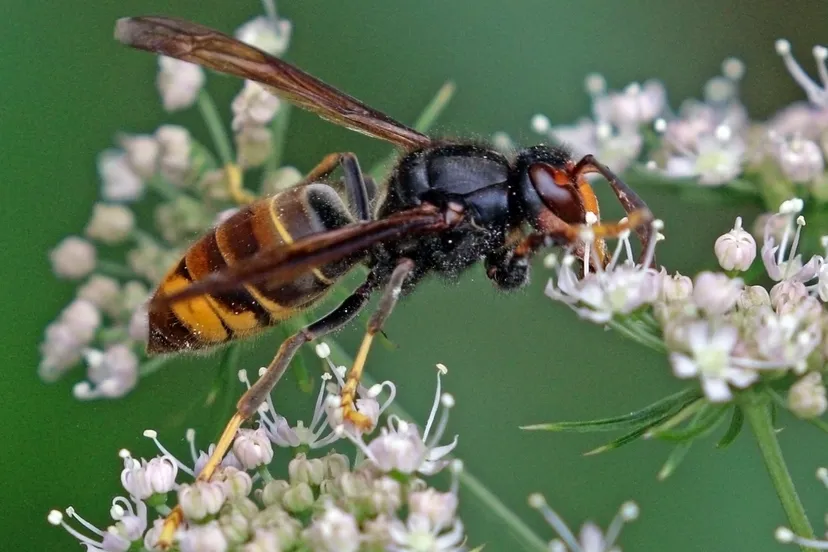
{"points": [[179, 83], [709, 358], [144, 479], [101, 291], [254, 145], [801, 160], [120, 181], [675, 287], [304, 470], [138, 327], [175, 145], [807, 397], [141, 153], [112, 373], [716, 293], [786, 340], [253, 106], [591, 538], [333, 531], [787, 295], [716, 160], [201, 499], [418, 535], [266, 34], [636, 105], [439, 508], [780, 262], [735, 250], [73, 258], [252, 448], [110, 224], [620, 288], [203, 538], [66, 338], [817, 92], [129, 527]]}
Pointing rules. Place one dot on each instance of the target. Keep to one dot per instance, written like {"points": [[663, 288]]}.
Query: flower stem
{"points": [[212, 119], [757, 412]]}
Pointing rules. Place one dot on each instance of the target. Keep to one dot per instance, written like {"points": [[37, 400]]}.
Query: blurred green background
{"points": [[67, 87]]}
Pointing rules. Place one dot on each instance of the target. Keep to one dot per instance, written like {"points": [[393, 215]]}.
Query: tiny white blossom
{"points": [[735, 250], [138, 327], [201, 498], [129, 527], [112, 373], [141, 153], [266, 34], [179, 83], [119, 180], [753, 296], [175, 145], [203, 538], [709, 358], [102, 291], [253, 106], [110, 224], [590, 538], [782, 263], [807, 397], [632, 107], [333, 531], [252, 448], [304, 470], [716, 293], [801, 160], [675, 287], [73, 258], [254, 145], [67, 337], [142, 479]]}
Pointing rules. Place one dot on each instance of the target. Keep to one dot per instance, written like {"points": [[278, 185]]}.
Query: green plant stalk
{"points": [[758, 415], [212, 119]]}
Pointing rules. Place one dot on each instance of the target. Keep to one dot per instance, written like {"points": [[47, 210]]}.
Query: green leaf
{"points": [[674, 460], [707, 419], [649, 416], [733, 430], [621, 441]]}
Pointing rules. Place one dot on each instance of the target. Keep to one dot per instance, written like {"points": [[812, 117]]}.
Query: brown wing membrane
{"points": [[285, 263], [210, 48]]}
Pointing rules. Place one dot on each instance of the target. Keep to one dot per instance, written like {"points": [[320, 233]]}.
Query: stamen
{"points": [[656, 225], [189, 435], [537, 502], [786, 536], [456, 468], [243, 378], [820, 55], [660, 126], [435, 404], [800, 222], [627, 513], [56, 518], [152, 434], [318, 411], [447, 401], [323, 350], [822, 475], [812, 90], [70, 511]]}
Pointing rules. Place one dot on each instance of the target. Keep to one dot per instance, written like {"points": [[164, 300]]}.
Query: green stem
{"points": [[115, 270], [279, 128], [212, 119], [757, 412]]}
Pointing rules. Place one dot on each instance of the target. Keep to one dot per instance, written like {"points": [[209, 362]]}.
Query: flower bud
{"points": [[175, 147], [254, 145], [141, 153], [144, 479], [438, 507], [304, 470], [333, 531], [120, 181], [237, 483], [73, 258], [179, 83], [110, 224], [201, 499], [266, 34], [335, 465], [298, 498], [801, 160], [274, 491], [101, 291], [786, 295], [807, 397], [253, 448], [675, 287], [735, 250], [715, 292], [753, 296], [275, 521], [138, 328], [386, 495], [234, 524], [203, 538]]}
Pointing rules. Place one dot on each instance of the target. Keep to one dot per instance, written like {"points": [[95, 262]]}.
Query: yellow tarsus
{"points": [[235, 185], [348, 402]]}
